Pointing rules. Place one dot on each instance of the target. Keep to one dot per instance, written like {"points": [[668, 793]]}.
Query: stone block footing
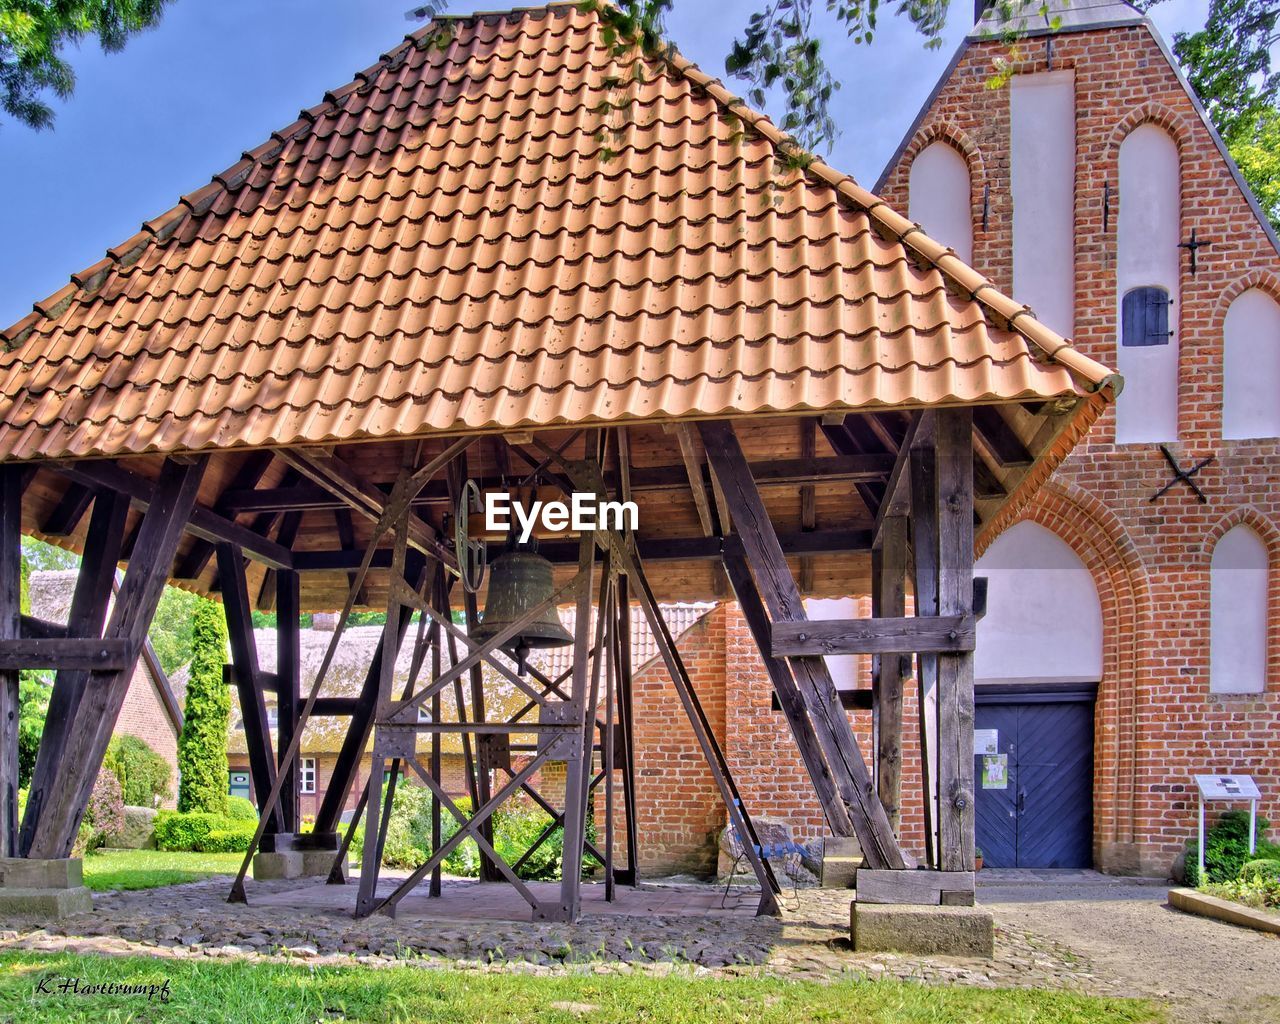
{"points": [[292, 864], [910, 928], [44, 889], [841, 859]]}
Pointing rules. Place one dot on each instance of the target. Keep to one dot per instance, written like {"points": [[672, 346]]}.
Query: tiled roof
{"points": [[443, 245]]}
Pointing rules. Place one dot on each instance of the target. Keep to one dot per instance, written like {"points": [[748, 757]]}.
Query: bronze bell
{"points": [[518, 581]]}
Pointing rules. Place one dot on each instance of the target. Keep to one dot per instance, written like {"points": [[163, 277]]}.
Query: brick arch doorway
{"points": [[1037, 670]]}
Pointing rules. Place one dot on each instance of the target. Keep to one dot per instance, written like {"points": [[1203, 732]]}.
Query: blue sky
{"points": [[218, 76]]}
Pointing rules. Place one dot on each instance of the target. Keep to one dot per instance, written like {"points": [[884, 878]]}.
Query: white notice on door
{"points": [[985, 741]]}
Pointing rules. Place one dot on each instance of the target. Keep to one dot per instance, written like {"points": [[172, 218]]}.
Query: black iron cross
{"points": [[1184, 475], [1191, 247]]}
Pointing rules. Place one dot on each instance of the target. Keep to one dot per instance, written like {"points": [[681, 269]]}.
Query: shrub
{"points": [[177, 831], [240, 809], [1226, 848], [202, 747], [233, 839], [143, 774], [1261, 870], [104, 815]]}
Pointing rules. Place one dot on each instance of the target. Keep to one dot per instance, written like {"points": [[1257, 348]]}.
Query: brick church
{"points": [[1132, 639]]}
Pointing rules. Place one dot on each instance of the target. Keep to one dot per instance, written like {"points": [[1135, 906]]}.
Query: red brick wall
{"points": [[1157, 723], [678, 809], [143, 715]]}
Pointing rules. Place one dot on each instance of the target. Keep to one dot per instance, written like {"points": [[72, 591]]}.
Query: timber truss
{"points": [[914, 473]]}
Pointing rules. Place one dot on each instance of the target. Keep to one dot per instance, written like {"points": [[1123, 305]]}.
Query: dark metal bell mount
{"points": [[518, 581]]}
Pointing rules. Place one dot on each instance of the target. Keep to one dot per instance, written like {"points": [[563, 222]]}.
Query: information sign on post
{"points": [[1228, 788]]}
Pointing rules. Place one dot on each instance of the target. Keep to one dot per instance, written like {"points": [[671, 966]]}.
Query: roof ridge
{"points": [[1052, 345], [199, 201]]}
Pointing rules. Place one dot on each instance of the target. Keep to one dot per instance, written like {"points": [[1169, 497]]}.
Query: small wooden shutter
{"points": [[1144, 317]]}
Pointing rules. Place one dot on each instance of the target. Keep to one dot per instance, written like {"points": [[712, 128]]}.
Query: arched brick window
{"points": [[939, 197], [1147, 267], [1238, 613], [1251, 367]]}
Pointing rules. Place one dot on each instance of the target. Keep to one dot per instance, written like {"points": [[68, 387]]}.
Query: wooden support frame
{"points": [[86, 618], [10, 626], [890, 668], [781, 598], [51, 833], [244, 658], [896, 634]]}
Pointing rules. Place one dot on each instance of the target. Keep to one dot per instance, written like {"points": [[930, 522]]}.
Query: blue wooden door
{"points": [[1042, 815]]}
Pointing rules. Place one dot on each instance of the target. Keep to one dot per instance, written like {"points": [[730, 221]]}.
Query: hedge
{"points": [[204, 833], [202, 747], [143, 774]]}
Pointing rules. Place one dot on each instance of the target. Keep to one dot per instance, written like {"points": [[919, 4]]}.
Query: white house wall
{"points": [[940, 197], [1042, 121], [1251, 367]]}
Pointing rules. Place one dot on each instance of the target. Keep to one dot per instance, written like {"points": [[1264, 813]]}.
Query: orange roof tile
{"points": [[442, 245]]}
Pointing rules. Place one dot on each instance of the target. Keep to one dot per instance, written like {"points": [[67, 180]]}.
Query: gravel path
{"points": [[1206, 971], [1068, 930]]}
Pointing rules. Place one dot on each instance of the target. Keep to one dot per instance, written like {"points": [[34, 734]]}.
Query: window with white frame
{"points": [[1238, 613], [308, 777]]}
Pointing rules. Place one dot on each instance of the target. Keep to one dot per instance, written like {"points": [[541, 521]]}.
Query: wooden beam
{"points": [[786, 692], [924, 551], [999, 438], [310, 497], [364, 497], [955, 670], [244, 656], [247, 475], [891, 635], [10, 626], [288, 694], [782, 600], [673, 549], [66, 515], [808, 497], [897, 492], [913, 887], [202, 522], [41, 629], [66, 653], [890, 668], [89, 601], [170, 507]]}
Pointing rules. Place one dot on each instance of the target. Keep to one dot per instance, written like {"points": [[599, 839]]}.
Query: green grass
{"points": [[212, 992], [147, 869]]}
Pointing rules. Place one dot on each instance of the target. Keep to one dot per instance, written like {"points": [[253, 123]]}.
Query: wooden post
{"points": [[88, 612], [576, 772], [782, 599], [10, 624], [955, 671], [288, 695], [889, 598], [924, 549], [244, 656], [162, 528], [626, 724], [789, 698]]}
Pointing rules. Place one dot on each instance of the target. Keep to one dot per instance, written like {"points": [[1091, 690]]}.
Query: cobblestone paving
{"points": [[810, 941]]}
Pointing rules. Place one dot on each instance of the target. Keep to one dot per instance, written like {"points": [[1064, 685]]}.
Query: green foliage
{"points": [[516, 826], [37, 556], [1226, 849], [33, 705], [33, 34], [231, 990], [171, 629], [143, 774], [1262, 869], [1228, 64], [240, 809], [205, 833], [104, 816], [202, 746], [234, 839], [148, 869]]}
